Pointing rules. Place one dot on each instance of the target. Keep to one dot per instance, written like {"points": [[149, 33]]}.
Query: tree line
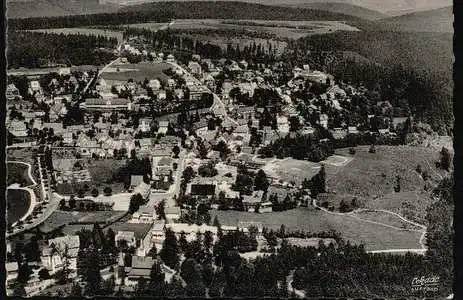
{"points": [[37, 49], [89, 20]]}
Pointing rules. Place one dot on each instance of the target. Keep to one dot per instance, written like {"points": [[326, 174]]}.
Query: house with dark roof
{"points": [[252, 202]]}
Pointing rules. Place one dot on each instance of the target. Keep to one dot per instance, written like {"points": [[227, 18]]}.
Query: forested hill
{"points": [[237, 10], [436, 20], [343, 8], [422, 62], [53, 8]]}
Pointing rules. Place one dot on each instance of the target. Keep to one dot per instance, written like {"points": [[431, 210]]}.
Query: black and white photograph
{"points": [[229, 149]]}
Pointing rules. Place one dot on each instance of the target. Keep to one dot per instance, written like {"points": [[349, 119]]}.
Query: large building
{"points": [[98, 104]]}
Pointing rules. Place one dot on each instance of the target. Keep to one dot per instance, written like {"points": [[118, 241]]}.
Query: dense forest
{"points": [[419, 51], [89, 20], [421, 79], [237, 10], [34, 49], [176, 41]]}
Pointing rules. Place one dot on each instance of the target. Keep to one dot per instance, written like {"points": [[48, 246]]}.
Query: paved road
{"points": [[51, 203], [218, 107]]}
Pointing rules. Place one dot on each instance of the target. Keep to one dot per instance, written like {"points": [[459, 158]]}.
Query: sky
{"points": [[378, 5]]}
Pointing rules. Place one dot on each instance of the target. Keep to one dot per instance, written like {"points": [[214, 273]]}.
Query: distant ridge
{"points": [[55, 8], [237, 10], [343, 8], [436, 20]]}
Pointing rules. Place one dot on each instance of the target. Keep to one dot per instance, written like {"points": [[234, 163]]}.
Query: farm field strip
{"points": [[85, 31], [282, 29], [137, 72]]}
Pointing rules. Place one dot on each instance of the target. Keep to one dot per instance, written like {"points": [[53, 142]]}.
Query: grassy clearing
{"points": [[137, 72], [385, 218], [147, 26], [102, 173], [375, 237], [59, 218], [85, 31], [291, 170], [372, 176], [283, 29], [22, 154], [411, 205], [18, 202], [18, 173]]}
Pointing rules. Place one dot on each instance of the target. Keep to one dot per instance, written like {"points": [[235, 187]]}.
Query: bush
{"points": [[108, 191], [95, 193]]}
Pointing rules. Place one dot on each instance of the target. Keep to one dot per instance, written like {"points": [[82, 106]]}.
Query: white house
{"points": [[191, 231], [154, 84], [283, 124], [324, 120], [170, 58], [172, 213], [128, 236], [61, 251]]}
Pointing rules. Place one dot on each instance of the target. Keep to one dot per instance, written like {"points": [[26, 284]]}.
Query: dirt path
{"points": [[291, 289], [352, 214]]}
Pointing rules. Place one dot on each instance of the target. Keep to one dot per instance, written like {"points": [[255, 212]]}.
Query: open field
{"points": [[411, 205], [374, 236], [137, 72], [85, 31], [372, 176], [18, 173], [18, 202], [99, 174], [282, 29], [383, 217], [291, 170], [147, 26], [22, 154], [59, 218]]}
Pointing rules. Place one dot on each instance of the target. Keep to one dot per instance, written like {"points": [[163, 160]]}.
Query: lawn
{"points": [[291, 170], [101, 173], [385, 218], [22, 154], [137, 72], [374, 237], [18, 202], [59, 218], [372, 176], [18, 173], [85, 31]]}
